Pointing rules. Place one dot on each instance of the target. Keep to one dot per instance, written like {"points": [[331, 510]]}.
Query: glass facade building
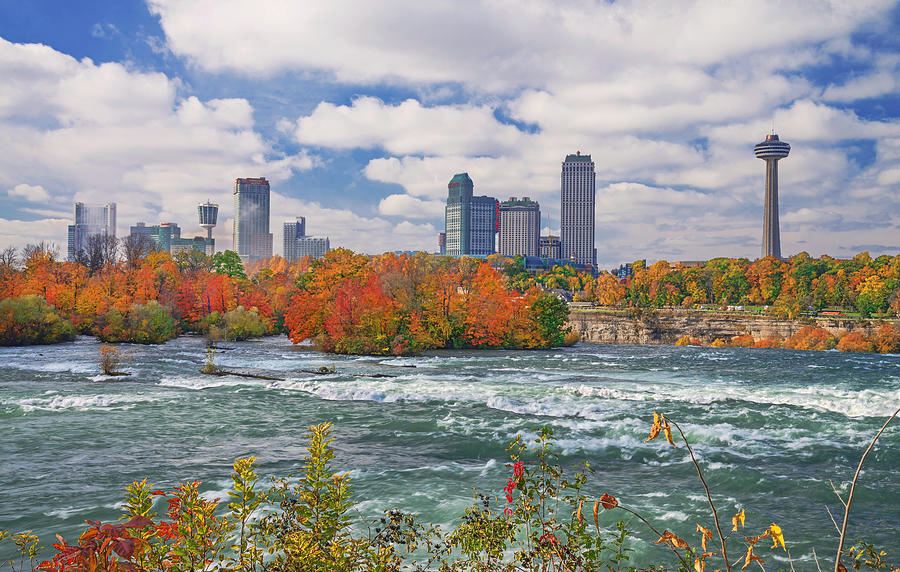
{"points": [[252, 239], [90, 220]]}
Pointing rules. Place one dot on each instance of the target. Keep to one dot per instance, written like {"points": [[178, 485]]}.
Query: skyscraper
{"points": [[470, 222], [577, 195], [297, 244], [209, 214], [442, 243], [292, 231], [252, 239], [520, 227], [90, 220], [771, 151]]}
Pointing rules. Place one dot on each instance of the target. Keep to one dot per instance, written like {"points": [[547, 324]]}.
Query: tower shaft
{"points": [[771, 245]]}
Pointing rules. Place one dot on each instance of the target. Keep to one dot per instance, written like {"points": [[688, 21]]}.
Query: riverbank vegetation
{"points": [[346, 302], [546, 520], [857, 287]]}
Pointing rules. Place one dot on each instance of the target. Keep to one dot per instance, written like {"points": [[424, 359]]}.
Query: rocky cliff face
{"points": [[666, 326]]}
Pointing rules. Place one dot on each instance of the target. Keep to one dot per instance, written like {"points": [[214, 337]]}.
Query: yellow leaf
{"points": [[750, 557], [655, 428], [737, 519], [673, 540], [578, 512], [700, 561], [668, 431], [777, 536], [705, 535], [597, 514]]}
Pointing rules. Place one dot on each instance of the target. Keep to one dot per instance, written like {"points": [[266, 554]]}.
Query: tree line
{"points": [[345, 302]]}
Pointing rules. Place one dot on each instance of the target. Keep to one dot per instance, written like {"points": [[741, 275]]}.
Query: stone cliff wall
{"points": [[666, 326]]}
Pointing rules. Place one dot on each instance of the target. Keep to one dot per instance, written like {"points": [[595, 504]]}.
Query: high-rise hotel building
{"points": [[252, 239], [520, 227], [470, 222], [578, 194], [90, 220]]}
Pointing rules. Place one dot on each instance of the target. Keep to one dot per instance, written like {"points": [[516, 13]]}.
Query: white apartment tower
{"points": [[520, 227]]}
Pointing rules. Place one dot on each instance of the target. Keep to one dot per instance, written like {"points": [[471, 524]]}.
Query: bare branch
{"points": [[708, 496], [840, 550]]}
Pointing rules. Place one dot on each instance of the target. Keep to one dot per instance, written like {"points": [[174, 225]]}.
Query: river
{"points": [[771, 427]]}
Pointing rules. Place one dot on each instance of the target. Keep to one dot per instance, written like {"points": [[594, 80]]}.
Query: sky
{"points": [[360, 112]]}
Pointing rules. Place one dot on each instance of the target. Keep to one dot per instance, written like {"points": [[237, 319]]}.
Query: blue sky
{"points": [[360, 117]]}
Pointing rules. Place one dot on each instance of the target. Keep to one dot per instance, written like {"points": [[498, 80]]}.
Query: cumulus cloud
{"points": [[31, 193], [493, 45], [668, 99], [96, 133]]}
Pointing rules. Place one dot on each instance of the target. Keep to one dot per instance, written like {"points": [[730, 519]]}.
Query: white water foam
{"points": [[82, 402]]}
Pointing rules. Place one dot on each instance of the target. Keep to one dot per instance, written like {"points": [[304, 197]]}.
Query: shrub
{"points": [[110, 360], [718, 343], [811, 338], [683, 341], [886, 339], [148, 323], [31, 320], [855, 342], [770, 343], [743, 341], [243, 324], [571, 338]]}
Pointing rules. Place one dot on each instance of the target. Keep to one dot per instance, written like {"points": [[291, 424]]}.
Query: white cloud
{"points": [[494, 45], [408, 128], [410, 207], [31, 193], [83, 131]]}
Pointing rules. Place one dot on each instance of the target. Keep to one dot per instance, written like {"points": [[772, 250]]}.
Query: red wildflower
{"points": [[509, 488], [519, 469], [507, 511]]}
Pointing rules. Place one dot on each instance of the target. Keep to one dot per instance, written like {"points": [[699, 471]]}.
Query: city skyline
{"points": [[151, 105]]}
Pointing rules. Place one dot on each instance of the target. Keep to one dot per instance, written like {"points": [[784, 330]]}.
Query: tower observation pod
{"points": [[770, 151], [209, 213]]}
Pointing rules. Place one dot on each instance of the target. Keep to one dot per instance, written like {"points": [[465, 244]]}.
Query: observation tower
{"points": [[209, 213], [770, 151]]}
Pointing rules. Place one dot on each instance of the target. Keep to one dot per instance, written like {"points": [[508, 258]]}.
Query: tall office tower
{"points": [[442, 243], [520, 227], [252, 239], [550, 247], [771, 150], [209, 214], [471, 223], [292, 231], [90, 220], [578, 193]]}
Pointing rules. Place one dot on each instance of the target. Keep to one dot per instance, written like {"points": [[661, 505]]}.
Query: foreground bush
{"points": [[545, 521], [148, 323], [242, 324], [31, 320]]}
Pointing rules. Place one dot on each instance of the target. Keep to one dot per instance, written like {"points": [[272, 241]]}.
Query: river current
{"points": [[771, 427]]}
